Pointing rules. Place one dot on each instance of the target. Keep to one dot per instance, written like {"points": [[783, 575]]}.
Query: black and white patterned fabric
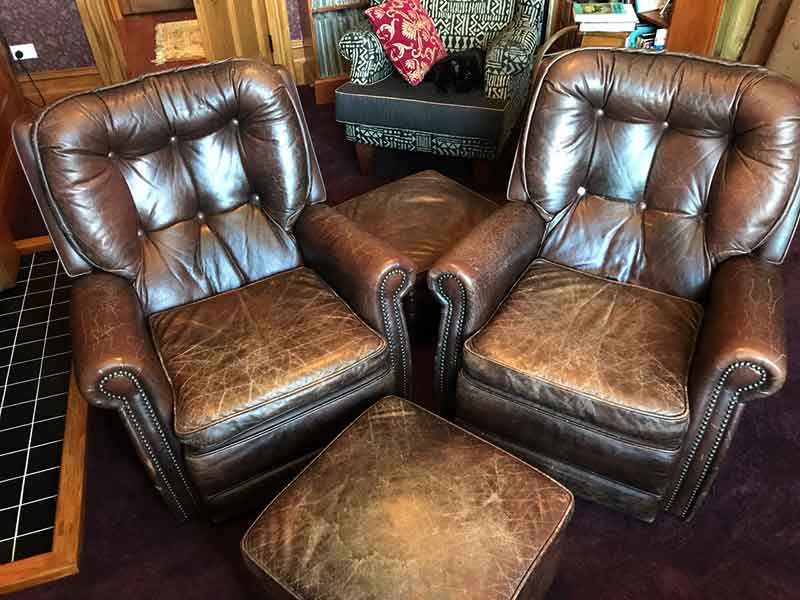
{"points": [[509, 31]]}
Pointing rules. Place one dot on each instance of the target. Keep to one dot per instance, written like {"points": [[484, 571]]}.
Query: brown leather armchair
{"points": [[613, 320], [235, 322]]}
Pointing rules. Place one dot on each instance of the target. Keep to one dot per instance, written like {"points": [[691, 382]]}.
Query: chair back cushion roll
{"points": [[187, 183], [654, 168]]}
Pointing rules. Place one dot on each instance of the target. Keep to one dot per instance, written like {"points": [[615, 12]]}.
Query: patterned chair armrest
{"points": [[366, 55], [512, 50], [509, 58]]}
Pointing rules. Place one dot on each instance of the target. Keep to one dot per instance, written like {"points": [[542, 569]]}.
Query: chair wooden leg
{"points": [[366, 158]]}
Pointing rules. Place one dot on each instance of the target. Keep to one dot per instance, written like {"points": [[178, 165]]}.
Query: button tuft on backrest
{"points": [[197, 206], [667, 152]]}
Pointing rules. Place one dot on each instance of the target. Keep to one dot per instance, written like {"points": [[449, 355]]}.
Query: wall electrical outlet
{"points": [[28, 51]]}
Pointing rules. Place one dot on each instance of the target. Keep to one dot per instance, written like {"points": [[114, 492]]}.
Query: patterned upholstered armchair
{"points": [[380, 109]]}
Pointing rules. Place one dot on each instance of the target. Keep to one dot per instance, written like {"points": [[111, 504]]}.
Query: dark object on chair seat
{"points": [[405, 505], [461, 71], [421, 216]]}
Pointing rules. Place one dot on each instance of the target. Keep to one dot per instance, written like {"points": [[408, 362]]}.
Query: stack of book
{"points": [[605, 17]]}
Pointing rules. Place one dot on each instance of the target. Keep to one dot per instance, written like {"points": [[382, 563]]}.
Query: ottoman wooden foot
{"points": [[366, 158]]}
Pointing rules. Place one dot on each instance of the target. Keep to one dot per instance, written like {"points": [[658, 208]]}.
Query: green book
{"points": [[603, 12]]}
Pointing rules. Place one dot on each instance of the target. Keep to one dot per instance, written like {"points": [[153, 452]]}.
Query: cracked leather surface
{"points": [[187, 183], [675, 156], [422, 510], [668, 171], [744, 324], [243, 358], [369, 274], [611, 355], [422, 215], [182, 189]]}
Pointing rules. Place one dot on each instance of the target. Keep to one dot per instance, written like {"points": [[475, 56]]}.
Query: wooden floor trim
{"points": [[63, 559], [58, 83], [42, 243]]}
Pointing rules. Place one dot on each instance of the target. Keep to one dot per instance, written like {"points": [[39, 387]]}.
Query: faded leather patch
{"points": [[405, 505], [613, 355], [241, 358]]}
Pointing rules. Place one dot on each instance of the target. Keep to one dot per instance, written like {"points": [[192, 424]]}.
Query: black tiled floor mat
{"points": [[35, 355]]}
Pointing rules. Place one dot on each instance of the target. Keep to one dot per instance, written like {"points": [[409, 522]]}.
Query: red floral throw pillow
{"points": [[409, 37]]}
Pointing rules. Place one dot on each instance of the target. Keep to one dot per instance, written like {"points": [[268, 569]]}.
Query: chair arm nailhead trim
{"points": [[387, 321], [734, 399], [132, 419], [443, 367]]}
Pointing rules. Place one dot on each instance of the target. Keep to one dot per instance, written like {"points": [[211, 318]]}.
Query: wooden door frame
{"points": [[99, 16]]}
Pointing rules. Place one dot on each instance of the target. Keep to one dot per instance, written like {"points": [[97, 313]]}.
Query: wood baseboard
{"points": [[59, 83], [62, 560], [40, 243]]}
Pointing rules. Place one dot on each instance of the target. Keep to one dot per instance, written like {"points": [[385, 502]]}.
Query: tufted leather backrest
{"points": [[187, 182], [654, 168]]}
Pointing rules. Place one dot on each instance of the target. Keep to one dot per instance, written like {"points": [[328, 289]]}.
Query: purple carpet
{"points": [[744, 543]]}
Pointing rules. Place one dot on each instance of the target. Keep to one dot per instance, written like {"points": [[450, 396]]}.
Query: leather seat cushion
{"points": [[262, 352], [610, 356], [395, 104], [422, 215]]}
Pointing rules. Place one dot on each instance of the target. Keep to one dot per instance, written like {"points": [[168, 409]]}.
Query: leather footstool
{"points": [[405, 505], [422, 216]]}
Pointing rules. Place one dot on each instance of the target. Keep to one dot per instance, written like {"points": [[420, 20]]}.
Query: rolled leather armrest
{"points": [[110, 336], [117, 367], [473, 277], [740, 355], [371, 276], [369, 63]]}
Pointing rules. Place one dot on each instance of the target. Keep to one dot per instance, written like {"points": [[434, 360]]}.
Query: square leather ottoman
{"points": [[405, 505], [422, 216]]}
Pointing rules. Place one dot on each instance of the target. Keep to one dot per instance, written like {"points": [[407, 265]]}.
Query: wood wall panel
{"points": [[694, 26], [55, 85], [12, 105]]}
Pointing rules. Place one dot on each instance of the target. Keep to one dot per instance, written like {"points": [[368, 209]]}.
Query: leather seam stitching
{"points": [[133, 379], [530, 407], [490, 438], [305, 388], [607, 402], [249, 434], [709, 413], [308, 456]]}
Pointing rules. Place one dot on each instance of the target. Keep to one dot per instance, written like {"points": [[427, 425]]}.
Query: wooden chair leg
{"points": [[366, 158]]}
